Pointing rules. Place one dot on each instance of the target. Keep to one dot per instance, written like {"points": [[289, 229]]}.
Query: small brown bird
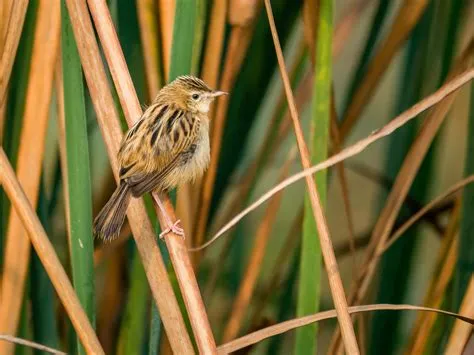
{"points": [[167, 146]]}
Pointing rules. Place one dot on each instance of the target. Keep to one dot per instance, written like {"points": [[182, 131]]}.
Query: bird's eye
{"points": [[195, 96]]}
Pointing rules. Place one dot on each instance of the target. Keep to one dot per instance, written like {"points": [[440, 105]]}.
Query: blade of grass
{"points": [[176, 247], [283, 327], [141, 227], [43, 298], [254, 265], [461, 332], [78, 174], [445, 91], [335, 283], [48, 257], [407, 17], [309, 290], [17, 248], [132, 331]]}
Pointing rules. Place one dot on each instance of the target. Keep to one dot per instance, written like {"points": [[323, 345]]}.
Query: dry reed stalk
{"points": [[399, 191], [241, 17], [254, 265], [147, 21], [406, 19], [176, 246], [10, 44], [446, 262], [461, 331], [166, 10], [443, 92], [29, 164], [283, 327], [140, 224], [214, 43], [49, 259], [31, 344], [335, 282]]}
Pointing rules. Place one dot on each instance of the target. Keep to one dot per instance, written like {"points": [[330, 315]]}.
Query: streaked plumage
{"points": [[169, 145]]}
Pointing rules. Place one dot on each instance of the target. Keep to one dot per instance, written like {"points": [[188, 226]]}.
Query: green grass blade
{"points": [[80, 196], [187, 37], [310, 263], [43, 299], [132, 331]]}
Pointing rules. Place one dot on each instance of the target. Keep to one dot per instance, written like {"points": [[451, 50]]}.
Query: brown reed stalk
{"points": [[280, 328], [254, 265], [147, 20], [10, 44], [461, 331], [446, 262], [29, 164], [141, 227], [400, 190], [49, 259], [406, 19], [241, 17], [166, 11], [176, 246], [335, 282], [30, 344]]}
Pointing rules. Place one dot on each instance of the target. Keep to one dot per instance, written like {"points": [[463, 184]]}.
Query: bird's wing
{"points": [[166, 139]]}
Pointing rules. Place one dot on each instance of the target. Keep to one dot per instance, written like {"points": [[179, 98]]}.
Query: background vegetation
{"points": [[65, 96]]}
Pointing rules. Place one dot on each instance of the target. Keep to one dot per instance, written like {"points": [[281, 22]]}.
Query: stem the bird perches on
{"points": [[335, 282], [141, 227], [176, 247]]}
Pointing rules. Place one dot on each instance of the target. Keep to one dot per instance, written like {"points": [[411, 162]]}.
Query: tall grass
{"points": [[390, 55]]}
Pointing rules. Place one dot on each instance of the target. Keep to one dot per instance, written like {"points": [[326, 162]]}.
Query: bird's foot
{"points": [[173, 228]]}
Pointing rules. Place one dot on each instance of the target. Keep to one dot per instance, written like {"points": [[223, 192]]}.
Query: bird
{"points": [[167, 146]]}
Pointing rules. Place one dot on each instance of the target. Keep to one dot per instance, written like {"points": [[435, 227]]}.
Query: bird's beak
{"points": [[218, 93]]}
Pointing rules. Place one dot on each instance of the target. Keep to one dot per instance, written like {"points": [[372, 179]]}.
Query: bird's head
{"points": [[191, 93]]}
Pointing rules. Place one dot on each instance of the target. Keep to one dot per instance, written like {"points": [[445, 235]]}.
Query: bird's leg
{"points": [[172, 227]]}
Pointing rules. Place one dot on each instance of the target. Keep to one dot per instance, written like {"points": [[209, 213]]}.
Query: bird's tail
{"points": [[110, 219]]}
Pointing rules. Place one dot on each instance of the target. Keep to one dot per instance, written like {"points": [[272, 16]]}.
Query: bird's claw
{"points": [[174, 228]]}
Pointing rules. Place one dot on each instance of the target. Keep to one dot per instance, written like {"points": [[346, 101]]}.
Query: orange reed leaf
{"points": [[29, 164]]}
